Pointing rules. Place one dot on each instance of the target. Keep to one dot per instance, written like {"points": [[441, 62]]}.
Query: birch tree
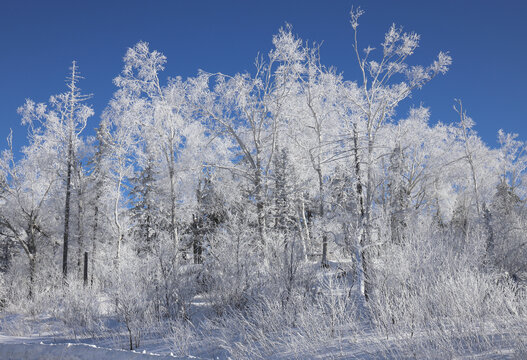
{"points": [[374, 101]]}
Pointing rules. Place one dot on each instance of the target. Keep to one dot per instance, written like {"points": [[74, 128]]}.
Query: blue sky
{"points": [[487, 40]]}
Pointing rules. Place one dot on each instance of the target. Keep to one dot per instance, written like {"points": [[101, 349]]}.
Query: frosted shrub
{"points": [[443, 294], [16, 288], [182, 337], [301, 326], [232, 270], [133, 302], [80, 308], [46, 285]]}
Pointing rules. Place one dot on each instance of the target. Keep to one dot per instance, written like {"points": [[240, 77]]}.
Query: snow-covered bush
{"points": [[79, 307], [232, 268], [182, 337], [300, 326], [133, 298], [443, 293]]}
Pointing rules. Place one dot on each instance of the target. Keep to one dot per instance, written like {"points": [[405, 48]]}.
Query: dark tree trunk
{"points": [[198, 251], [260, 212], [94, 237], [67, 212], [32, 266], [85, 275], [197, 248], [487, 216]]}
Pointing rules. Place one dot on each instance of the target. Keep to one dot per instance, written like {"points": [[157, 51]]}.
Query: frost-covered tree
{"points": [[246, 110], [505, 215], [62, 124], [384, 84], [99, 199], [28, 188]]}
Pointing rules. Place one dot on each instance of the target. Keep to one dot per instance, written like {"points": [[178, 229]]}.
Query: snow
{"points": [[14, 348], [48, 347]]}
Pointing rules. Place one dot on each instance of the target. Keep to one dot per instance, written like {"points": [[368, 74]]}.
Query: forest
{"points": [[285, 212]]}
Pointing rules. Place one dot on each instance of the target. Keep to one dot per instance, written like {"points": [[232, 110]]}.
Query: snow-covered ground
{"points": [[363, 345], [48, 339], [23, 348], [27, 337]]}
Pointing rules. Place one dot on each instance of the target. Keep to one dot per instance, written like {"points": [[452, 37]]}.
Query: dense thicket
{"points": [[286, 198]]}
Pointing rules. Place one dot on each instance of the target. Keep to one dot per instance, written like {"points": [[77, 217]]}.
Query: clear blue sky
{"points": [[487, 40]]}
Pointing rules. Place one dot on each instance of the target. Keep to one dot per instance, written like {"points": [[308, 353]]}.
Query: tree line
{"points": [[231, 185]]}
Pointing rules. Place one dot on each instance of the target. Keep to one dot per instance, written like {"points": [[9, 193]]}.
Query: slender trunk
{"points": [[174, 238], [366, 219], [32, 267], [306, 226], [171, 173], [369, 183], [302, 237], [360, 253], [197, 248], [324, 261], [487, 216], [94, 237], [475, 189], [72, 100], [118, 225], [129, 335], [468, 154], [357, 171], [85, 273], [67, 210], [259, 204], [118, 252], [80, 230]]}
